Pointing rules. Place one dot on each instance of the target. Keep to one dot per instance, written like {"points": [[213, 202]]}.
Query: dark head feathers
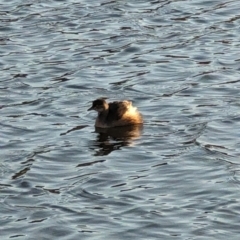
{"points": [[99, 102]]}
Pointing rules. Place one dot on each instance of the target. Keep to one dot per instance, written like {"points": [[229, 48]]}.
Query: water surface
{"points": [[177, 178]]}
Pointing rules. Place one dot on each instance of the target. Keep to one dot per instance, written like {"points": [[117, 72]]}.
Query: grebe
{"points": [[115, 114]]}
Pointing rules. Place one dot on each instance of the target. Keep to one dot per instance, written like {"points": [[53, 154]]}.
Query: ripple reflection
{"points": [[109, 140]]}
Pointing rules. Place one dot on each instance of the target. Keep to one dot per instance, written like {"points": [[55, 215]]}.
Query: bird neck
{"points": [[103, 114]]}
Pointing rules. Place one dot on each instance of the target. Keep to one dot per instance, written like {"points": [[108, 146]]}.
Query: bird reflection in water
{"points": [[112, 139]]}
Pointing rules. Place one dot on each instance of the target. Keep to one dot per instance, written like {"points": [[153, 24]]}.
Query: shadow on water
{"points": [[109, 140]]}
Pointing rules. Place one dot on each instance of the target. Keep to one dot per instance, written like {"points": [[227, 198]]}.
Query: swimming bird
{"points": [[115, 114]]}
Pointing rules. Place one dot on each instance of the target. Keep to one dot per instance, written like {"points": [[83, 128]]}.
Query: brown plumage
{"points": [[115, 114]]}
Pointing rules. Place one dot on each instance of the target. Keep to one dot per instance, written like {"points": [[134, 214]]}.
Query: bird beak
{"points": [[91, 108]]}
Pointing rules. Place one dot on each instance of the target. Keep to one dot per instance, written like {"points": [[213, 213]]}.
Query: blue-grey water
{"points": [[178, 177]]}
